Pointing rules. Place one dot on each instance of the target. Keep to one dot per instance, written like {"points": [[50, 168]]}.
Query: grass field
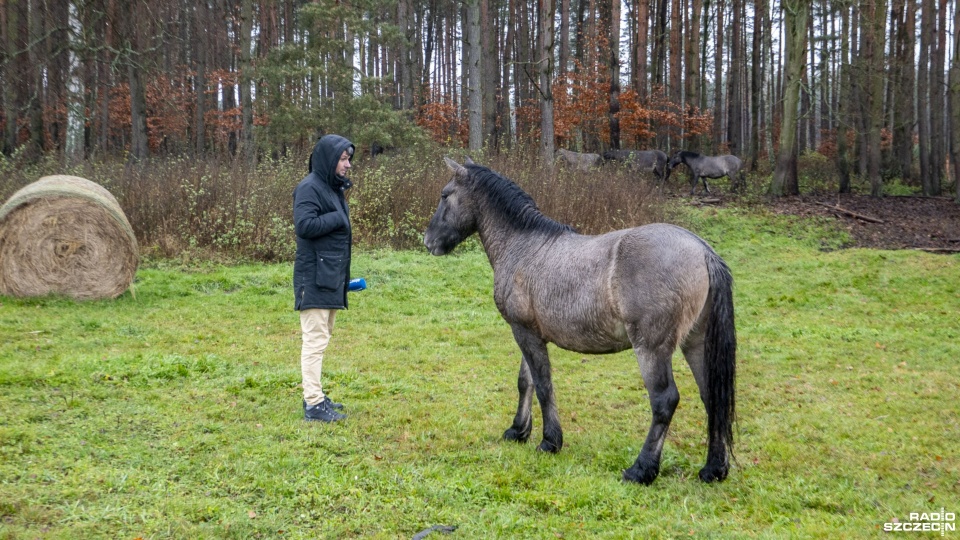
{"points": [[175, 412]]}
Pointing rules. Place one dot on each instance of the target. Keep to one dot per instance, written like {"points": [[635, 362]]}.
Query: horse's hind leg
{"points": [[523, 421], [717, 465], [657, 370], [538, 363]]}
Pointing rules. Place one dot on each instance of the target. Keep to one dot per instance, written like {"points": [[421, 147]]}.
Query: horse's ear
{"points": [[457, 168], [468, 161]]}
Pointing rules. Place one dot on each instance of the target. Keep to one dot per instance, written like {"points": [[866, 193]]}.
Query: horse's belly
{"points": [[596, 336]]}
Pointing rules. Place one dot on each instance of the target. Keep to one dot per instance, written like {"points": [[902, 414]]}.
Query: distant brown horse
{"points": [[650, 288], [584, 162]]}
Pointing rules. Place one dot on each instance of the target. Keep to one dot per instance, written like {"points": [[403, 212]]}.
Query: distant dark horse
{"points": [[649, 288], [653, 161], [703, 167]]}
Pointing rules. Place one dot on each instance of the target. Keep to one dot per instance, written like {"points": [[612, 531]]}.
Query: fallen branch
{"points": [[850, 213], [940, 250]]}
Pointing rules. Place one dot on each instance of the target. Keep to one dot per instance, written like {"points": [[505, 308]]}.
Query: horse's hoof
{"points": [[713, 473], [548, 447], [515, 435], [644, 476]]}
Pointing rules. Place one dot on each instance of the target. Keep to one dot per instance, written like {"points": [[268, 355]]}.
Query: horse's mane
{"points": [[508, 199], [688, 154]]}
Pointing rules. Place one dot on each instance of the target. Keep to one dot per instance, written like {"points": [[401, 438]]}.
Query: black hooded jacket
{"points": [[322, 222]]}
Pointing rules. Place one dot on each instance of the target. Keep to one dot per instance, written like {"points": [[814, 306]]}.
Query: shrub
{"points": [[817, 173], [215, 209]]}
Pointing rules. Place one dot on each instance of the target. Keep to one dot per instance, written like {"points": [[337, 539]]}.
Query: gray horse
{"points": [[650, 288], [703, 167], [653, 161], [584, 162]]}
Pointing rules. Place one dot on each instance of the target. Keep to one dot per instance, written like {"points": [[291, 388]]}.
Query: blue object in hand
{"points": [[357, 284]]}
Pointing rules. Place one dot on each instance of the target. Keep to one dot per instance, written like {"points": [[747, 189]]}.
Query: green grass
{"points": [[175, 412]]}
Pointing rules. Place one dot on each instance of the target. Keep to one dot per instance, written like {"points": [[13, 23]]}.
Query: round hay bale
{"points": [[65, 235]]}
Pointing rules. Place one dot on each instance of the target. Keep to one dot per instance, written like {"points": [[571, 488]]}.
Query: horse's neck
{"points": [[506, 246]]}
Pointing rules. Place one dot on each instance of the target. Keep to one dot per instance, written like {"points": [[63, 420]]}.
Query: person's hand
{"points": [[344, 222]]}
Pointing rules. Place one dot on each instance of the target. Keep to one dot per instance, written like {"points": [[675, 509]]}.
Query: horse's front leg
{"points": [[535, 357], [523, 421]]}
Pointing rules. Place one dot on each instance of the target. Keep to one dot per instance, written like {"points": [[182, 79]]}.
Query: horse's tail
{"points": [[720, 354]]}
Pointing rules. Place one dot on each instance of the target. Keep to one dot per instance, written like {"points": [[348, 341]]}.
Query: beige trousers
{"points": [[316, 326]]}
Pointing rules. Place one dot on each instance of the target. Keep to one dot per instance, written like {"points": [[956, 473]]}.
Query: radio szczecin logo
{"points": [[941, 522]]}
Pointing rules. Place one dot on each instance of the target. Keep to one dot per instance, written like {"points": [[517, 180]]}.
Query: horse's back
{"points": [[661, 246], [660, 154], [734, 162], [583, 293]]}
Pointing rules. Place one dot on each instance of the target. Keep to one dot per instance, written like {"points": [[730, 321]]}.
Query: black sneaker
{"points": [[321, 412], [333, 404]]}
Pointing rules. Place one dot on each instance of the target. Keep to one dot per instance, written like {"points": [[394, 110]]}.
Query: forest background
{"points": [[177, 410], [218, 90]]}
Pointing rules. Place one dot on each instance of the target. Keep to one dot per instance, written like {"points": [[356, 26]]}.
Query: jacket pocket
{"points": [[331, 270]]}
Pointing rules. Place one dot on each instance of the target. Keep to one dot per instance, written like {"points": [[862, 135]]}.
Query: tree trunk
{"points": [[131, 38], [640, 49], [35, 97], [938, 85], [768, 97], [843, 103], [718, 81], [676, 53], [522, 64], [874, 18], [795, 30], [692, 61], [756, 82], [57, 50], [923, 96], [545, 62], [200, 80], [580, 45], [246, 69], [734, 103], [564, 38], [474, 52], [14, 44], [405, 52], [803, 122], [488, 68], [506, 64], [431, 42], [139, 144], [904, 88], [76, 115], [826, 84], [613, 63], [659, 45], [954, 93]]}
